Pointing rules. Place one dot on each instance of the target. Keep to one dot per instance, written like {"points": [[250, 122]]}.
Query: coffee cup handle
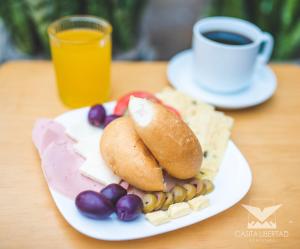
{"points": [[265, 54]]}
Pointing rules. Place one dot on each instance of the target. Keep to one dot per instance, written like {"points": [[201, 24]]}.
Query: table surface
{"points": [[268, 135]]}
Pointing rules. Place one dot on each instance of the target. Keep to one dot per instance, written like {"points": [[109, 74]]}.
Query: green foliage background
{"points": [[279, 17], [27, 20]]}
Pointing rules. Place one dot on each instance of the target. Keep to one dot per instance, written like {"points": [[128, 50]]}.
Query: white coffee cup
{"points": [[226, 68]]}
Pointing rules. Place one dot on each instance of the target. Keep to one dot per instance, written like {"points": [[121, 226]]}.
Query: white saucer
{"points": [[180, 75]]}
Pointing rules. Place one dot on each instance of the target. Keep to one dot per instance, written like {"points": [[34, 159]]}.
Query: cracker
{"points": [[216, 140], [186, 105]]}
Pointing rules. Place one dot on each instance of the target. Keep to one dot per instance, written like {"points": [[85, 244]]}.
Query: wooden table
{"points": [[268, 135]]}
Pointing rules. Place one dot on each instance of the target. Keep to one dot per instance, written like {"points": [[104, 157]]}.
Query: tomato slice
{"points": [[122, 103]]}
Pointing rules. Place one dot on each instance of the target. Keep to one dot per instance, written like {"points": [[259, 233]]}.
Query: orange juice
{"points": [[81, 58]]}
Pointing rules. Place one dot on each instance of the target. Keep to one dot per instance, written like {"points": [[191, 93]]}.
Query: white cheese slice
{"points": [[82, 130], [158, 217], [94, 167], [88, 140], [198, 203], [97, 170], [88, 146], [179, 209]]}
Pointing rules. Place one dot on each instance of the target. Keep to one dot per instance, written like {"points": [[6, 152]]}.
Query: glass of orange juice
{"points": [[81, 53]]}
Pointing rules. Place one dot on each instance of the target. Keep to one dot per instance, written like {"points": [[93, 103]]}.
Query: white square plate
{"points": [[231, 185]]}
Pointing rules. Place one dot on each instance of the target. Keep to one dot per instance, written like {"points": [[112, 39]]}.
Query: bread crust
{"points": [[128, 157], [172, 142]]}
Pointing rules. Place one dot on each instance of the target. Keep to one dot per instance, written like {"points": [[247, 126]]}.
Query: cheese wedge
{"points": [[198, 203], [157, 218], [179, 209]]}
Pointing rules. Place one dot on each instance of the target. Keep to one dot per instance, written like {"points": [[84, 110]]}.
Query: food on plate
{"points": [[172, 109], [161, 197], [179, 209], [128, 157], [151, 144], [99, 205], [96, 115], [153, 201], [113, 192], [206, 174], [158, 217], [199, 186], [109, 119], [149, 202], [122, 103], [86, 145], [60, 162], [129, 207], [188, 190], [211, 127], [94, 205], [191, 191], [208, 186], [168, 201], [179, 193], [46, 132], [198, 203], [169, 139]]}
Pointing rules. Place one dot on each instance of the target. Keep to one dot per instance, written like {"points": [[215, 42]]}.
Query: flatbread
{"points": [[212, 128]]}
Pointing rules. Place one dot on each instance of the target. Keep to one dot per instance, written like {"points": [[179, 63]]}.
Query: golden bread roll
{"points": [[129, 158], [168, 137]]}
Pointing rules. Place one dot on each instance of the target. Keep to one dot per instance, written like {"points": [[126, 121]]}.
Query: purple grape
{"points": [[110, 118], [94, 205], [97, 115], [113, 192], [129, 207]]}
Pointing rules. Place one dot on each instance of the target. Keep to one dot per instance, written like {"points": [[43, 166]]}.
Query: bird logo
{"points": [[261, 215]]}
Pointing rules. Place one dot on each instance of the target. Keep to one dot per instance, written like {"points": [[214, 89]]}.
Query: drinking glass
{"points": [[81, 54]]}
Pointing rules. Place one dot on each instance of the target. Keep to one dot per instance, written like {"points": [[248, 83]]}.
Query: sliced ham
{"points": [[135, 191], [45, 132], [61, 167], [124, 184], [59, 161]]}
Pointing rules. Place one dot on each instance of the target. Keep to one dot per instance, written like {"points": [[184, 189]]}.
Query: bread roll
{"points": [[168, 137], [129, 158]]}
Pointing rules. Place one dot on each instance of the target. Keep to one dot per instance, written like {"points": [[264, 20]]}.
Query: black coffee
{"points": [[226, 37]]}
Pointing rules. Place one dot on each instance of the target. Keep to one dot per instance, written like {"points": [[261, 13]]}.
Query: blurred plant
{"points": [[280, 18], [27, 20]]}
